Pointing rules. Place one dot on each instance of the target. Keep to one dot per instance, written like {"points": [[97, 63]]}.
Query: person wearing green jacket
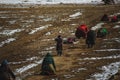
{"points": [[48, 65], [102, 32]]}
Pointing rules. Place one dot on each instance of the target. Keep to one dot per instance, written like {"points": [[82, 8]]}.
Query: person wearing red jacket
{"points": [[81, 31]]}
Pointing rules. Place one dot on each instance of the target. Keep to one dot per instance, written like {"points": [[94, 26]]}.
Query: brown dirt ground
{"points": [[27, 46]]}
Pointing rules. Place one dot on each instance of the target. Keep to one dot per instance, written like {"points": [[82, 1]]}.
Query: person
{"points": [[114, 19], [59, 44], [105, 18], [118, 17], [5, 71], [81, 31], [90, 40], [48, 65], [102, 32]]}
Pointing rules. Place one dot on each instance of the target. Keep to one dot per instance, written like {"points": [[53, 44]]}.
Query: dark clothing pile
{"points": [[59, 47], [90, 40], [46, 68], [69, 40]]}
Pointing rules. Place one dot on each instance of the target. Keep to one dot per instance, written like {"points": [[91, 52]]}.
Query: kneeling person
{"points": [[48, 66]]}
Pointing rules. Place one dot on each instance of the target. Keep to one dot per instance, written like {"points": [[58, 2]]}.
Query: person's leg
{"points": [[60, 52], [88, 45]]}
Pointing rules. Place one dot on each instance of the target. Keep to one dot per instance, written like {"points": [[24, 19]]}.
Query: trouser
{"points": [[90, 45], [59, 52]]}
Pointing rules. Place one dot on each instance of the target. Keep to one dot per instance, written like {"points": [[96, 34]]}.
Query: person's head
{"points": [[59, 36], [48, 55], [4, 63]]}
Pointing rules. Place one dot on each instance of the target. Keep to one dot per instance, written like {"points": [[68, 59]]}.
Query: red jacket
{"points": [[84, 28]]}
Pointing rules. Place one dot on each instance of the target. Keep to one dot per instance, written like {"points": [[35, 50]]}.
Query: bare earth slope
{"points": [[29, 47]]}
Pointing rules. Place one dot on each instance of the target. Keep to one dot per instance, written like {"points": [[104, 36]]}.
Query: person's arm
{"points": [[11, 73], [51, 66]]}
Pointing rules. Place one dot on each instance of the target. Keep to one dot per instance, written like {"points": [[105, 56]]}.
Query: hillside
{"points": [[27, 34]]}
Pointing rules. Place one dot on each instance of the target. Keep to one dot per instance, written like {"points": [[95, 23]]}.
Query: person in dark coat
{"points": [[5, 71], [59, 43], [90, 40], [118, 17], [48, 66], [105, 18]]}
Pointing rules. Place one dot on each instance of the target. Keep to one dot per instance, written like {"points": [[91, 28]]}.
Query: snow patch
{"points": [[116, 26], [99, 58], [108, 50], [25, 68], [75, 15], [10, 32], [99, 25], [7, 41], [40, 28], [108, 71]]}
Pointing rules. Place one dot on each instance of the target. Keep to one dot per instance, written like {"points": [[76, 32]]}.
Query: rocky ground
{"points": [[27, 34]]}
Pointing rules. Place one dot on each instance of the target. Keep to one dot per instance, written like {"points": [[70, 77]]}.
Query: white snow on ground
{"points": [[25, 68], [99, 58], [50, 48], [78, 70], [75, 15], [99, 25], [69, 76], [108, 71], [40, 28], [4, 17], [65, 19], [48, 1], [28, 21], [108, 50], [7, 41], [12, 22], [10, 32], [48, 19], [118, 22], [114, 39], [21, 62], [32, 58], [48, 33], [73, 24], [47, 39], [117, 26]]}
